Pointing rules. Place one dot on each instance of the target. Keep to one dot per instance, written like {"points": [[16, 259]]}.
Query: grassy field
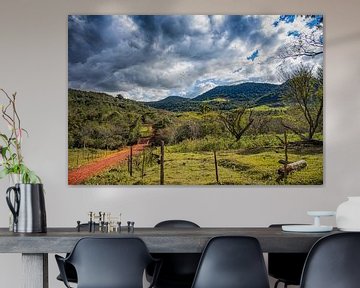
{"points": [[236, 167]]}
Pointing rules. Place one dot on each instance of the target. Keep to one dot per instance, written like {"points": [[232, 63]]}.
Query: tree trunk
{"points": [[295, 166]]}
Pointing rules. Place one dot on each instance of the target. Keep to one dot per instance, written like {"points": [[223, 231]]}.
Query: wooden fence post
{"points": [[286, 156], [216, 167], [162, 163], [143, 165], [130, 161]]}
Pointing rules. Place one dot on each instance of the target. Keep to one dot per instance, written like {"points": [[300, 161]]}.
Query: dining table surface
{"points": [[158, 240], [35, 247]]}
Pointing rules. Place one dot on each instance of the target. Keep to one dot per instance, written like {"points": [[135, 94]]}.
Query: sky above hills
{"points": [[148, 58]]}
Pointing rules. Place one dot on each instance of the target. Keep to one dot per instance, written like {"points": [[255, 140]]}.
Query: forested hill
{"points": [[175, 104], [103, 121], [100, 101], [243, 92], [225, 98]]}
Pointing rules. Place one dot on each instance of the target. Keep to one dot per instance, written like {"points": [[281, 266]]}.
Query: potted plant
{"points": [[12, 161], [26, 197]]}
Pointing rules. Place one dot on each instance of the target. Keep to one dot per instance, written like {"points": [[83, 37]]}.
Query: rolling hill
{"points": [[225, 97], [242, 92], [103, 121]]}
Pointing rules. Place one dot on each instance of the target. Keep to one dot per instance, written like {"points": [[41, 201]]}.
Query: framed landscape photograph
{"points": [[195, 99]]}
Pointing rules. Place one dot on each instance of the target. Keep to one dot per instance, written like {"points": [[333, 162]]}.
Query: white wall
{"points": [[33, 62]]}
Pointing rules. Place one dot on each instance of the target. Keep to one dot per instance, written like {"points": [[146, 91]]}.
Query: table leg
{"points": [[35, 270]]}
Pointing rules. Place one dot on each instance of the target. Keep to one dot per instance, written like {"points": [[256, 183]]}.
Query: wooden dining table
{"points": [[35, 247]]}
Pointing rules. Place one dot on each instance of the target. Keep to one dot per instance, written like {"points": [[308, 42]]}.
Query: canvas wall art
{"points": [[195, 99]]}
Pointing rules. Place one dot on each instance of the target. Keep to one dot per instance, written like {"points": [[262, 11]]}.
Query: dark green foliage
{"points": [[259, 93], [98, 120], [224, 98], [175, 104]]}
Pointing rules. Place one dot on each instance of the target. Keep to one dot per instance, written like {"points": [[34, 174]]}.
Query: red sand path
{"points": [[78, 175]]}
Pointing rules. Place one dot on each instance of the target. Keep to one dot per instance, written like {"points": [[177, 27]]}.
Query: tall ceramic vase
{"points": [[27, 204], [13, 179], [348, 215]]}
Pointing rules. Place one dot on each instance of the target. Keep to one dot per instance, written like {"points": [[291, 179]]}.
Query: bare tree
{"points": [[305, 45], [304, 91], [238, 121], [309, 45]]}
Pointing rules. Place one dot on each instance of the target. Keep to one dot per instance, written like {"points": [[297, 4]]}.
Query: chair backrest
{"points": [[110, 262], [232, 262], [176, 224], [333, 262], [286, 266], [178, 269]]}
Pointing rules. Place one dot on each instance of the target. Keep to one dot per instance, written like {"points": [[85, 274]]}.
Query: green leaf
{"points": [[28, 176], [3, 151], [26, 132], [4, 137], [4, 173], [33, 177]]}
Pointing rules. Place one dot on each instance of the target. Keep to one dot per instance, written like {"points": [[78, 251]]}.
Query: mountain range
{"points": [[225, 97]]}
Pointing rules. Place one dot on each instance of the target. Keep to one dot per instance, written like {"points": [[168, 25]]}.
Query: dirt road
{"points": [[78, 175]]}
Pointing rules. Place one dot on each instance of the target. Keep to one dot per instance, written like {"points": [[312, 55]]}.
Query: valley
{"points": [[242, 126]]}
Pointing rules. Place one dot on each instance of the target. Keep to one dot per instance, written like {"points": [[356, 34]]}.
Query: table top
{"points": [[158, 240]]}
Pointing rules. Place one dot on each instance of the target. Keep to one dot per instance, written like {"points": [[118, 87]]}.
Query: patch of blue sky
{"points": [[253, 56], [294, 33], [276, 23], [315, 21], [285, 18]]}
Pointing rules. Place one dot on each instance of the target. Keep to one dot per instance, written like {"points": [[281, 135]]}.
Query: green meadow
{"points": [[244, 166]]}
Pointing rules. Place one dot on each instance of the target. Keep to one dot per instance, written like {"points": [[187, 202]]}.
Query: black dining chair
{"points": [[232, 262], [333, 262], [178, 269], [70, 271], [286, 267], [108, 263]]}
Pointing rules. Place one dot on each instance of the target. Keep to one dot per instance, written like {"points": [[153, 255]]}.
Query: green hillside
{"points": [[98, 120], [224, 98]]}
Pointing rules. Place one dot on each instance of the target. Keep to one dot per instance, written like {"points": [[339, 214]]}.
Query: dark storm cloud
{"points": [[167, 54], [87, 36], [241, 26], [94, 45]]}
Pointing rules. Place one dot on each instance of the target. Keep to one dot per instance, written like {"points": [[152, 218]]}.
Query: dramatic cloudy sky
{"points": [[151, 57]]}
